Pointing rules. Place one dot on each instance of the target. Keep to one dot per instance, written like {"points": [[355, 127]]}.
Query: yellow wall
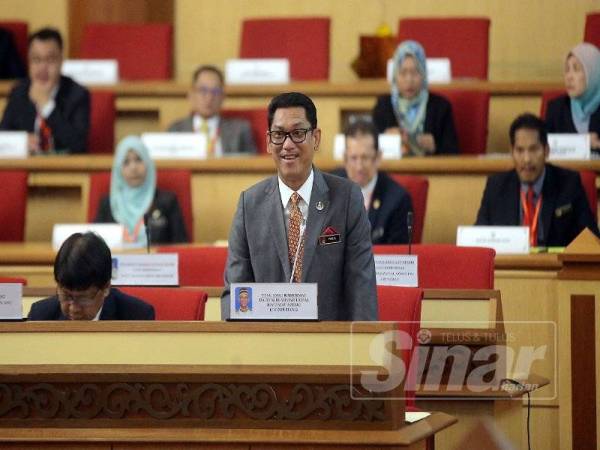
{"points": [[528, 38]]}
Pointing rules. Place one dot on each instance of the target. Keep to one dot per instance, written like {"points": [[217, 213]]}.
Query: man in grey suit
{"points": [[223, 135], [334, 250]]}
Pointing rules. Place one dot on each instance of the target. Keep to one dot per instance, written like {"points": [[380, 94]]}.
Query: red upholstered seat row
{"points": [[172, 303]]}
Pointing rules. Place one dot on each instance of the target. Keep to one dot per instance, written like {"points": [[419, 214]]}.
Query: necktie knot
{"points": [[295, 199]]}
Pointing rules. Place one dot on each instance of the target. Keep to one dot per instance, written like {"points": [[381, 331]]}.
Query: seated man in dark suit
{"points": [[548, 199], [82, 270], [223, 135], [386, 202], [54, 109]]}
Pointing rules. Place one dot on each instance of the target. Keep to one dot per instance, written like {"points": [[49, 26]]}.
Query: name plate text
{"points": [[513, 240], [273, 301]]}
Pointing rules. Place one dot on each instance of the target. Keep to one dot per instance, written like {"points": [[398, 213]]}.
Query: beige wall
{"points": [[528, 37]]}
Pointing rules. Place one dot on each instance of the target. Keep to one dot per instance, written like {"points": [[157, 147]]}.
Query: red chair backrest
{"points": [[546, 97], [13, 205], [144, 51], [199, 265], [102, 122], [176, 181], [258, 122], [417, 188], [446, 266], [20, 34], [464, 40], [403, 305], [470, 110], [172, 303], [588, 180], [18, 280], [592, 29], [279, 38]]}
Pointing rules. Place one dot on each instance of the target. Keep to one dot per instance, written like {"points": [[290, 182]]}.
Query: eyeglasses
{"points": [[202, 90], [297, 136], [82, 301]]}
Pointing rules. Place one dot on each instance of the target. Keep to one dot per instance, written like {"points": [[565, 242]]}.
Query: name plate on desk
{"points": [[112, 233], [11, 301], [438, 70], [397, 270], [13, 144], [273, 301], [92, 71], [175, 145], [389, 144], [513, 240], [257, 71], [569, 146], [155, 269]]}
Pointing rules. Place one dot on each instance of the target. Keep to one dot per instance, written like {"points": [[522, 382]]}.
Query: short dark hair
{"points": [[530, 122], [46, 34], [208, 68], [83, 261], [293, 100], [362, 127]]}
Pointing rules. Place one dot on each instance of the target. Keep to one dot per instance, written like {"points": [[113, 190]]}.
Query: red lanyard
{"points": [[127, 237], [211, 145], [532, 222]]}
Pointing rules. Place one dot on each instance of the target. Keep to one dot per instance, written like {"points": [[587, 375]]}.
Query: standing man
{"points": [[387, 203], [54, 109], [548, 199], [279, 222], [223, 135]]}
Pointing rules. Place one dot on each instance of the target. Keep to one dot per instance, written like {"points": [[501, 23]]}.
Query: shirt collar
{"points": [[537, 184], [304, 192], [370, 187], [213, 122], [97, 317]]}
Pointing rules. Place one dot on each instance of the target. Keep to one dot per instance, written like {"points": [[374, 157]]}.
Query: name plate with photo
{"points": [[397, 270], [569, 146], [112, 233], [439, 70], [389, 144], [175, 145], [505, 240], [92, 71], [155, 269], [13, 144], [11, 301], [273, 301], [257, 71]]}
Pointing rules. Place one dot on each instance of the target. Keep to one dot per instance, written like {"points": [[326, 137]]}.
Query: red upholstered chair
{"points": [[445, 266], [102, 122], [465, 40], [417, 187], [144, 51], [588, 180], [199, 265], [402, 304], [258, 122], [592, 29], [177, 181], [304, 41], [470, 109], [546, 97], [20, 34], [13, 205], [19, 280], [172, 303]]}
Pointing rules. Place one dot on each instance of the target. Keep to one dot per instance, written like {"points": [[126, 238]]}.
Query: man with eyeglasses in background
{"points": [[82, 270], [223, 135], [52, 108], [303, 225]]}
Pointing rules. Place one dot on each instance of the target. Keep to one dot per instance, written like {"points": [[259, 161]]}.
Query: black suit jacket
{"points": [[165, 221], [560, 120], [565, 208], [69, 121], [117, 306], [390, 204], [439, 121]]}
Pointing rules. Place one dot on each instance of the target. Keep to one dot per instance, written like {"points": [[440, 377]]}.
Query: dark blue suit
{"points": [[117, 306]]}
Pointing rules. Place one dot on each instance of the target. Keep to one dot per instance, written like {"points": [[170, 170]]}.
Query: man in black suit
{"points": [[82, 270], [548, 199], [53, 109], [386, 202]]}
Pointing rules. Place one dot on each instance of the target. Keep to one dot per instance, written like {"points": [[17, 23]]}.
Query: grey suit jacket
{"points": [[236, 135], [344, 271]]}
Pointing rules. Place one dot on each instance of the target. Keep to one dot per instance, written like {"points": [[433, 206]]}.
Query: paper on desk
{"points": [[411, 417]]}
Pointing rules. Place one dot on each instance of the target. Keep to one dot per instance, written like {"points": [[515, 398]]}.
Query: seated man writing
{"points": [[82, 270]]}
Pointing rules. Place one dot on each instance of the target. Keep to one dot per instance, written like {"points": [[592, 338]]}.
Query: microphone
{"points": [[147, 227], [300, 238], [409, 226]]}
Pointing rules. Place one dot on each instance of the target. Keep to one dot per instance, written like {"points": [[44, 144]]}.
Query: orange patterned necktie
{"points": [[294, 236], [45, 136]]}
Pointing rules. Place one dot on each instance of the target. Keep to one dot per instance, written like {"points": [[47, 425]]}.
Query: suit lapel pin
{"points": [[376, 203], [320, 206]]}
